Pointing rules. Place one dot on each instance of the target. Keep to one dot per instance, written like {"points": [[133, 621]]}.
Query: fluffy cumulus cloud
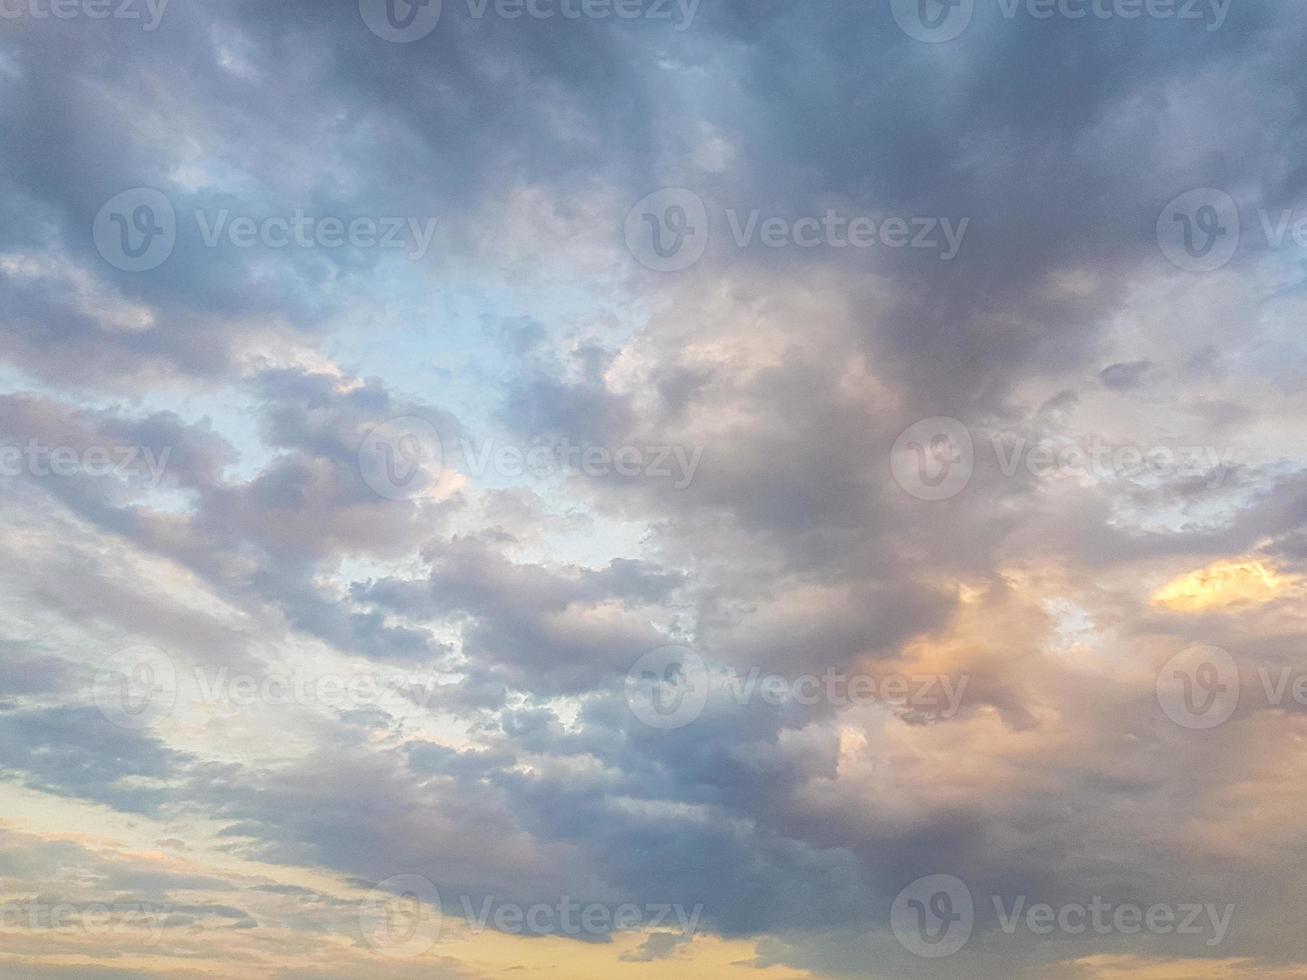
{"points": [[740, 489]]}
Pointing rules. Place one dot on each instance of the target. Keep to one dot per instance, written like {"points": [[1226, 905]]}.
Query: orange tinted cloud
{"points": [[1226, 585]]}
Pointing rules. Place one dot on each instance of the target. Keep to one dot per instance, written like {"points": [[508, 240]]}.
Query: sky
{"points": [[745, 489]]}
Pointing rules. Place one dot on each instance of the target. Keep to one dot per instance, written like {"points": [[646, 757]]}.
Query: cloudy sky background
{"points": [[503, 610]]}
